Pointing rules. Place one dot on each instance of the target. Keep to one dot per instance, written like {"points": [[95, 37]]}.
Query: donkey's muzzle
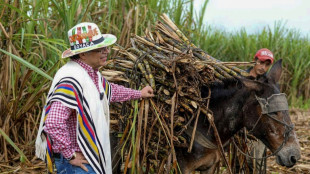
{"points": [[288, 157]]}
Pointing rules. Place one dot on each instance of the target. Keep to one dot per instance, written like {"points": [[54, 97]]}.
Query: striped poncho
{"points": [[73, 87]]}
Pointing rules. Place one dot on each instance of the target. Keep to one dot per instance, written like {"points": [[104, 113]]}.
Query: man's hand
{"points": [[79, 160], [147, 92]]}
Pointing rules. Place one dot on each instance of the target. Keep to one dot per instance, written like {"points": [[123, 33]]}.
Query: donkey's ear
{"points": [[276, 71], [252, 85]]}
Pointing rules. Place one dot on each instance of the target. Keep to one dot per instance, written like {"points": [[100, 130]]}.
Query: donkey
{"points": [[256, 105]]}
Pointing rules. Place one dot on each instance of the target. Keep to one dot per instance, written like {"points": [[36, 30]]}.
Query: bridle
{"points": [[269, 106]]}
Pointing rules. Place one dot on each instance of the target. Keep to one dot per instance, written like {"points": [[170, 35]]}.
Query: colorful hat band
{"points": [[85, 37], [87, 44]]}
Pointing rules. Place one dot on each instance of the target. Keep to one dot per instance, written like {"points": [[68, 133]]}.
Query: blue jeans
{"points": [[64, 167]]}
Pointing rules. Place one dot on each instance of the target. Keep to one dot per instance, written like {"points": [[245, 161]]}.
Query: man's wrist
{"points": [[72, 157]]}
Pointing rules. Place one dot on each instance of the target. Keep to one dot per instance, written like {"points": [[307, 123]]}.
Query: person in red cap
{"points": [[263, 61]]}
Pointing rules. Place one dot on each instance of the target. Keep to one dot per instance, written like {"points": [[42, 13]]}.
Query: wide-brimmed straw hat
{"points": [[85, 37]]}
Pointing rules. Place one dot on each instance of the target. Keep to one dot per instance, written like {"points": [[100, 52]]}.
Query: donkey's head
{"points": [[266, 116]]}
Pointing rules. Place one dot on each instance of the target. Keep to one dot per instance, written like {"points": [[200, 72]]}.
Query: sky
{"points": [[253, 15]]}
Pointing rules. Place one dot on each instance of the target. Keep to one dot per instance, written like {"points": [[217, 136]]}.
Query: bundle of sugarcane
{"points": [[176, 69]]}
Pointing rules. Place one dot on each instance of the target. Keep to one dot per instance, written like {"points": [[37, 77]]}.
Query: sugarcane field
{"points": [[150, 86]]}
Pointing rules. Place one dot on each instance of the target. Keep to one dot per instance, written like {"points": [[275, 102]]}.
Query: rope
{"points": [[288, 129]]}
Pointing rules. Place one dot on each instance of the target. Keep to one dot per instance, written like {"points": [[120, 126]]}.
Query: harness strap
{"points": [[288, 129]]}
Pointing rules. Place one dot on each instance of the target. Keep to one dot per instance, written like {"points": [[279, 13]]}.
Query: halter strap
{"points": [[274, 103]]}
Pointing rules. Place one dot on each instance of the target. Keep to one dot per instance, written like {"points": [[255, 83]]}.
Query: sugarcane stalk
{"points": [[173, 43], [142, 47], [167, 30], [150, 35], [117, 79], [240, 71], [160, 147], [125, 65], [186, 107], [156, 63], [164, 82], [135, 50], [176, 30], [217, 137], [150, 151], [191, 102], [193, 98], [155, 162], [199, 56], [112, 73], [130, 56], [158, 55], [151, 52], [194, 131], [164, 98], [128, 62], [230, 71], [173, 48], [184, 38], [119, 68], [234, 71], [144, 82], [222, 72], [144, 41], [143, 70], [152, 60], [162, 122], [160, 48], [149, 73]]}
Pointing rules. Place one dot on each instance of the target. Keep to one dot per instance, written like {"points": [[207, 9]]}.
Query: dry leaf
{"points": [[166, 92]]}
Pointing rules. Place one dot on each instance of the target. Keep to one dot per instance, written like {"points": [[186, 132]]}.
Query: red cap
{"points": [[264, 54]]}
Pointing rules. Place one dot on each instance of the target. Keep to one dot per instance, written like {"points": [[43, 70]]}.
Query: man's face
{"points": [[261, 67], [96, 58]]}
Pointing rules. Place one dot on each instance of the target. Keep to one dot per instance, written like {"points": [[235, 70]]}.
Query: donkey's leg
{"points": [[211, 170], [184, 163], [258, 152], [199, 159]]}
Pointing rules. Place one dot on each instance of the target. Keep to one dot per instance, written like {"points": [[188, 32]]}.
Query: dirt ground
{"points": [[301, 119]]}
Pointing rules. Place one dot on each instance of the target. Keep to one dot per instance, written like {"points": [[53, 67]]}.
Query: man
{"points": [[74, 130], [263, 61]]}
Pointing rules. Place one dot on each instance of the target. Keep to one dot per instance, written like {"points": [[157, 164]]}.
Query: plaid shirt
{"points": [[61, 121]]}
